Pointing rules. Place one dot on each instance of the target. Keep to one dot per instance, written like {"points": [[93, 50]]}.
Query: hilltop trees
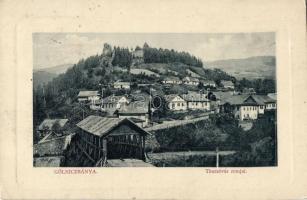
{"points": [[154, 55], [122, 57]]}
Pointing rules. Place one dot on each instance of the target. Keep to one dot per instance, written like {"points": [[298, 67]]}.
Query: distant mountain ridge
{"points": [[59, 69], [250, 68]]}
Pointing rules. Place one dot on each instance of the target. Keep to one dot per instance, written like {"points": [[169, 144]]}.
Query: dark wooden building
{"points": [[102, 138]]}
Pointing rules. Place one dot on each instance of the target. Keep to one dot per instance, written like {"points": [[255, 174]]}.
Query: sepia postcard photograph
{"points": [[154, 100]]}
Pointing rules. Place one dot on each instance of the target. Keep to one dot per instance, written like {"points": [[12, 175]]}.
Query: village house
{"points": [[228, 85], [175, 102], [172, 80], [208, 83], [243, 107], [196, 101], [192, 74], [51, 153], [136, 111], [51, 128], [270, 104], [190, 81], [112, 103], [86, 96], [104, 140], [121, 85]]}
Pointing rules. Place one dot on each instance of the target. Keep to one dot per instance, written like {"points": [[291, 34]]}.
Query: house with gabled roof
{"points": [[196, 101], [243, 107], [270, 103], [175, 102], [190, 81], [172, 80], [208, 83], [112, 103], [88, 96], [51, 153], [137, 111], [121, 85], [50, 128]]}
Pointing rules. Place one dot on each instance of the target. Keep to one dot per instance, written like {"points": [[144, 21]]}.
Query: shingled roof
{"points": [[244, 99], [101, 126], [48, 123], [136, 107]]}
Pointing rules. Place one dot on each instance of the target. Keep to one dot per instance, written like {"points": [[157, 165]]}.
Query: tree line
{"points": [[154, 55]]}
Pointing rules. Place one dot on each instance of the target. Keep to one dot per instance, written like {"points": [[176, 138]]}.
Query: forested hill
{"points": [[117, 63]]}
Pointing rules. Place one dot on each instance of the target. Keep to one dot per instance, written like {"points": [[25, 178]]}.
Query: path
{"points": [[170, 124]]}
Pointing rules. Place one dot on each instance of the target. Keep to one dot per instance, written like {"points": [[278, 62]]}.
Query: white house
{"points": [[88, 96], [172, 80], [269, 103], [112, 103], [209, 83], [228, 85], [190, 81], [175, 102], [243, 107], [196, 101], [121, 85]]}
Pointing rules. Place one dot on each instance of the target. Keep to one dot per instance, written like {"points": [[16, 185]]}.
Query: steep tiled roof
{"points": [[245, 99], [101, 126], [263, 98]]}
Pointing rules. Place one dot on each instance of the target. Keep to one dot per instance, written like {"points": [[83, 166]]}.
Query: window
{"points": [[178, 104], [182, 104], [173, 105]]}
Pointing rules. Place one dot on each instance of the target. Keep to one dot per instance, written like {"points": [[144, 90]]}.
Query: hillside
{"points": [[42, 77], [59, 69], [250, 68]]}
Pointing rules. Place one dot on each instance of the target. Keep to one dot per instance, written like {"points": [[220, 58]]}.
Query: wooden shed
{"points": [[103, 138]]}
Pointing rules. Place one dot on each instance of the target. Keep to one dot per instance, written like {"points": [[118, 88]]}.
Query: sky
{"points": [[52, 49]]}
